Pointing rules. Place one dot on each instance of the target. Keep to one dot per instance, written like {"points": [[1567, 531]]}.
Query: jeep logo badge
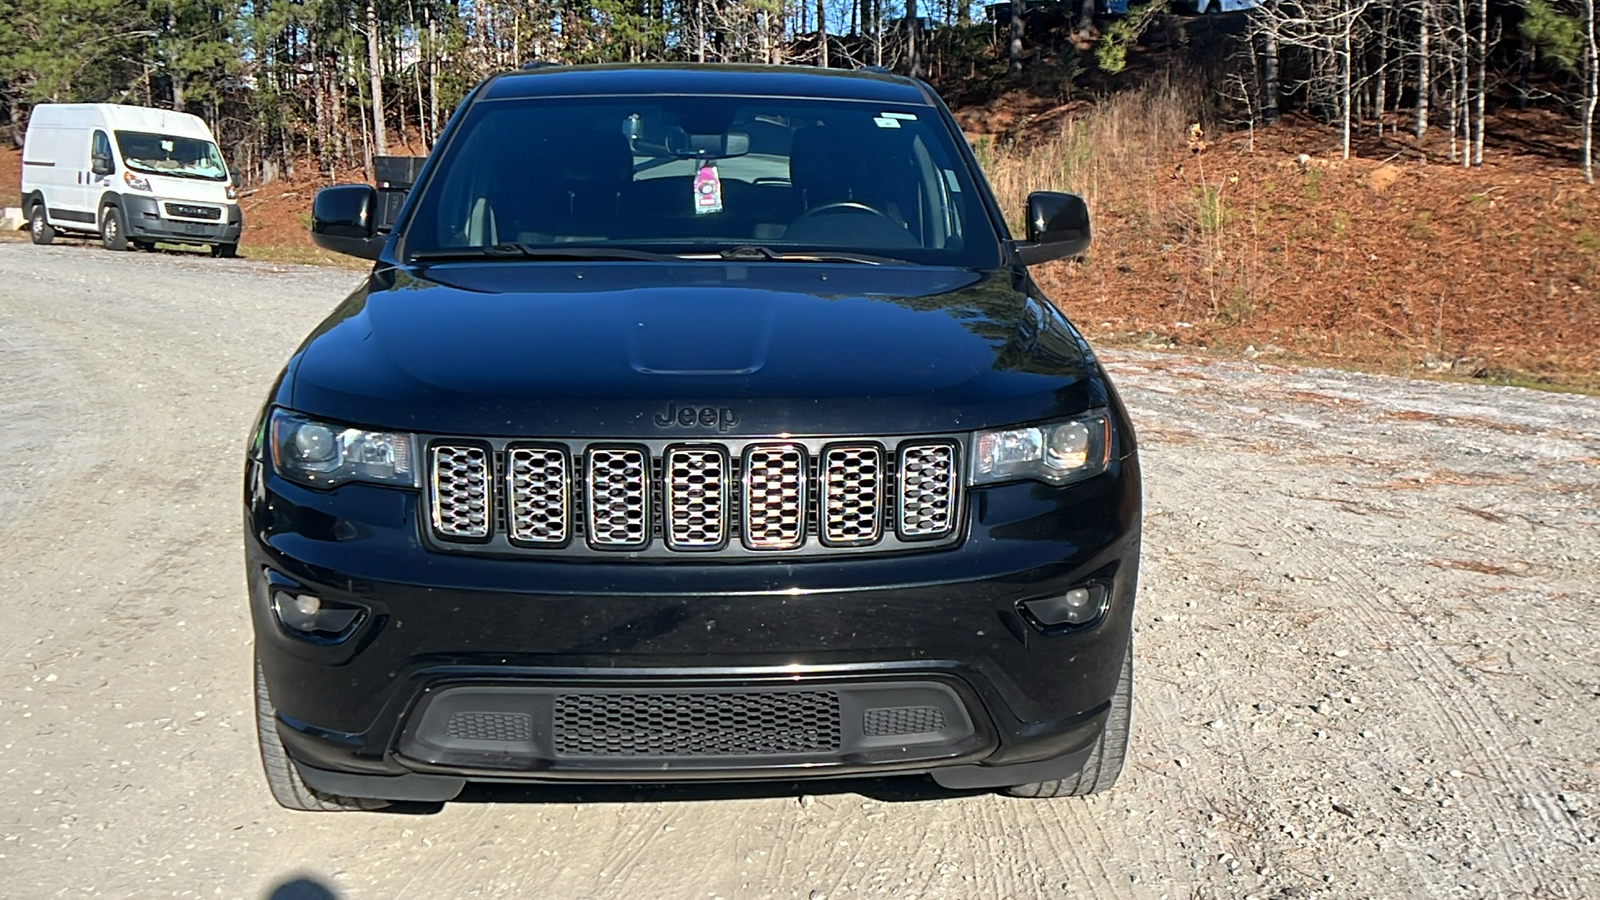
{"points": [[686, 416]]}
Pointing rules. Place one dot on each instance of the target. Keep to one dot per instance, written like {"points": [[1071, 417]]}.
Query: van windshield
{"points": [[163, 154], [699, 174]]}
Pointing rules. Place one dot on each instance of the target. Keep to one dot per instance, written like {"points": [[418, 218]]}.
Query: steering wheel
{"points": [[842, 206]]}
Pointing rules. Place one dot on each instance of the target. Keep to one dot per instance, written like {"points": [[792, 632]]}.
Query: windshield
{"points": [[701, 174], [163, 154]]}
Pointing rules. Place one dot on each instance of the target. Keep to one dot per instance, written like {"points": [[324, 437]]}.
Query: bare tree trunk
{"points": [[877, 32], [433, 72], [1271, 86], [822, 33], [375, 69], [1483, 82], [1592, 89], [1424, 77], [1381, 89], [913, 52], [1015, 70], [1463, 102], [1345, 91]]}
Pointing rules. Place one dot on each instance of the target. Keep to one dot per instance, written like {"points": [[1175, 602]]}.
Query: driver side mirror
{"points": [[101, 165], [1058, 227], [341, 220]]}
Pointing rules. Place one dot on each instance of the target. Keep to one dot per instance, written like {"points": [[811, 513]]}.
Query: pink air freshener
{"points": [[707, 191]]}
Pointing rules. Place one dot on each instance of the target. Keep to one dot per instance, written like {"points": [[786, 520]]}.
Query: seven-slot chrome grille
{"points": [[655, 499]]}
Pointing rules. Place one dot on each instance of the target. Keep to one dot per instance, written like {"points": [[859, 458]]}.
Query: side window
{"points": [[101, 151]]}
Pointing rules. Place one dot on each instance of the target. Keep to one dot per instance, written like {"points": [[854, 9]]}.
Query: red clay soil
{"points": [[1398, 264]]}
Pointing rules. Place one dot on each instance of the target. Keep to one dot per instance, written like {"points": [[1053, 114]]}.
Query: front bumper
{"points": [[504, 641], [145, 223]]}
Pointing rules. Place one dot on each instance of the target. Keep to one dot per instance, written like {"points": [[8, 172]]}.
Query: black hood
{"points": [[623, 349]]}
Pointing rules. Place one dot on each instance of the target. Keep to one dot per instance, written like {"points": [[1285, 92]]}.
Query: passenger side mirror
{"points": [[1058, 227], [101, 165], [341, 220], [234, 178]]}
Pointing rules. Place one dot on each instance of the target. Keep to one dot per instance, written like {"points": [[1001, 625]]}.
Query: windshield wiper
{"points": [[761, 252], [528, 251]]}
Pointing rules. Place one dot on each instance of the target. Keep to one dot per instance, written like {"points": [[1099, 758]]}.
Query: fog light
{"points": [[1079, 606], [306, 613]]}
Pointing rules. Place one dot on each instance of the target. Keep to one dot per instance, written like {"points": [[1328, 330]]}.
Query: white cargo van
{"points": [[130, 174]]}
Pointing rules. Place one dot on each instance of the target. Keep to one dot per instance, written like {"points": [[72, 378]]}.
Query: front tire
{"points": [[113, 229], [224, 251], [1100, 771], [39, 227], [283, 779]]}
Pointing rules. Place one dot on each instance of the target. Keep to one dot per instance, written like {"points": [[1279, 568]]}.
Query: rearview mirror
{"points": [[708, 146], [341, 220], [1058, 227], [101, 165], [233, 177]]}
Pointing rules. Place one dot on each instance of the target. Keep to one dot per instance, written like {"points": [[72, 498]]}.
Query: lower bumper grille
{"points": [[565, 729], [687, 725]]}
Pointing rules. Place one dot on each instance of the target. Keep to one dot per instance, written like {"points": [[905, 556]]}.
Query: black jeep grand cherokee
{"points": [[693, 423]]}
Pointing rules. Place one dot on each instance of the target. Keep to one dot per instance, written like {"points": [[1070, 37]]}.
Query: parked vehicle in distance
{"points": [[694, 422], [130, 174], [1203, 7]]}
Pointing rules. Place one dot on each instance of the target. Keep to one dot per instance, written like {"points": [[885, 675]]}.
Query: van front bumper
{"points": [[145, 223]]}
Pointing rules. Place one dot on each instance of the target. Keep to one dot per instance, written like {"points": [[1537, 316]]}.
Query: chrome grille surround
{"points": [[538, 495], [852, 495], [774, 496], [458, 490], [695, 481], [927, 490], [618, 496], [660, 498]]}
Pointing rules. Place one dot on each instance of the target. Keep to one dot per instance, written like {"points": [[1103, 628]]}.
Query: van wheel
{"points": [[146, 246], [1104, 764], [113, 230], [283, 779], [224, 251], [39, 227]]}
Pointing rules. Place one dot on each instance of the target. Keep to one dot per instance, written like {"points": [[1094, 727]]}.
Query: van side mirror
{"points": [[234, 178], [341, 220], [101, 165], [1058, 227]]}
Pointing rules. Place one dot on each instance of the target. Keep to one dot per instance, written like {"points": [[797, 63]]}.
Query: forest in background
{"points": [[329, 83]]}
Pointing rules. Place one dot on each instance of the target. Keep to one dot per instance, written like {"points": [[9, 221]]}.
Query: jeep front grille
{"points": [[537, 495], [460, 491], [696, 498], [927, 490], [619, 497], [657, 499], [774, 496], [852, 492]]}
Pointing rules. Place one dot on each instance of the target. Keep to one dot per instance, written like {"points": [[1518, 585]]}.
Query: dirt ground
{"points": [[1364, 649]]}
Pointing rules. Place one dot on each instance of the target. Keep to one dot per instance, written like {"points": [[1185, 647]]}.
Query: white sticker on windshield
{"points": [[909, 117], [884, 122]]}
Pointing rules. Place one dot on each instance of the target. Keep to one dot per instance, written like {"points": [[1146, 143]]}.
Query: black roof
{"points": [[692, 79]]}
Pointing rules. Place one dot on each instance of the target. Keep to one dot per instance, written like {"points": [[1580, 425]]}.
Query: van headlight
{"points": [[1055, 452], [137, 182], [319, 454]]}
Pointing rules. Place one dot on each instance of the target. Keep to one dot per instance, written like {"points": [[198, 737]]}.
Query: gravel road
{"points": [[1366, 649]]}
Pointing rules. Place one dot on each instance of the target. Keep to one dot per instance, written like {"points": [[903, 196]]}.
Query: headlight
{"points": [[322, 455], [1057, 452], [232, 192], [137, 182]]}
